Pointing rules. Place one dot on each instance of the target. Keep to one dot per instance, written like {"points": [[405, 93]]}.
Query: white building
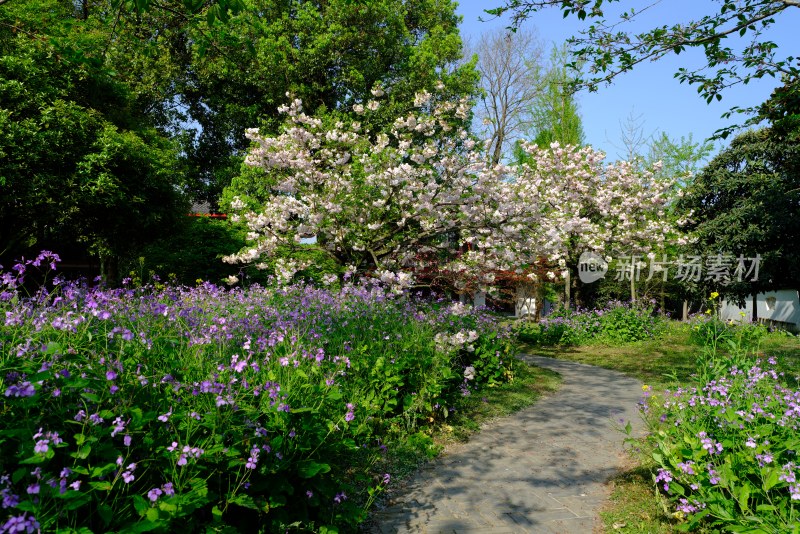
{"points": [[781, 308]]}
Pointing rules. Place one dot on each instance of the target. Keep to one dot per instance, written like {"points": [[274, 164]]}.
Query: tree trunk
{"points": [[109, 268], [685, 310], [567, 284], [755, 307]]}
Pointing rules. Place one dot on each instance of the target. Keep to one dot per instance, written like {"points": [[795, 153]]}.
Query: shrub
{"points": [[615, 324], [726, 445], [207, 409], [195, 250]]}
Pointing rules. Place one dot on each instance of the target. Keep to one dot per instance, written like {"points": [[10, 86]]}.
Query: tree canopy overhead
{"points": [[609, 49]]}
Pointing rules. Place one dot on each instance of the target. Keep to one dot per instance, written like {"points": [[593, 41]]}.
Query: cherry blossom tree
{"points": [[424, 196]]}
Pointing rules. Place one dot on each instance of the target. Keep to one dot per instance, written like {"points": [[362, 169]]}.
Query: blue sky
{"points": [[649, 91]]}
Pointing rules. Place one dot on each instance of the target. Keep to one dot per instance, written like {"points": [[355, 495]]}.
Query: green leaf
{"points": [[76, 500], [106, 513], [83, 452], [18, 475], [140, 505], [38, 459], [91, 397], [152, 514], [310, 468], [770, 477], [101, 485], [245, 501], [53, 348], [143, 526], [743, 496], [166, 506], [217, 514]]}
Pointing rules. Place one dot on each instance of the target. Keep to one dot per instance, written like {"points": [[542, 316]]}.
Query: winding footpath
{"points": [[542, 470]]}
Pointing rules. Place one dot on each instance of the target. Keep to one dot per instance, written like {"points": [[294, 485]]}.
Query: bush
{"points": [[195, 250], [726, 445], [207, 409], [617, 323]]}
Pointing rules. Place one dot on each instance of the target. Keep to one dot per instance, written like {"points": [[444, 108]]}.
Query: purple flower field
{"points": [[208, 409], [726, 445]]}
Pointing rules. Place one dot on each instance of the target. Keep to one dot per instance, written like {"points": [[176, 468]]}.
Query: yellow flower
{"points": [[645, 388], [714, 295], [708, 312]]}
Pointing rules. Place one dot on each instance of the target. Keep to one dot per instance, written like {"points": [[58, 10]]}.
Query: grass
{"points": [[634, 505], [652, 361]]}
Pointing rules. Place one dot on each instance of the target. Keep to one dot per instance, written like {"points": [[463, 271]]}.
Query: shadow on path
{"points": [[543, 469]]}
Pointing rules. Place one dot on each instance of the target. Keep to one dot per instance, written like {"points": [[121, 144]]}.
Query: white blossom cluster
{"points": [[390, 201], [450, 342]]}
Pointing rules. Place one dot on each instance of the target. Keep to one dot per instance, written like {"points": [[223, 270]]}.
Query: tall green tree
{"points": [[556, 116], [554, 112], [330, 54], [747, 201], [79, 162]]}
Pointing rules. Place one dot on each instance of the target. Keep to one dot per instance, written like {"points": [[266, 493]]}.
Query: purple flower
{"points": [[127, 476], [253, 460], [686, 467], [20, 523], [41, 446], [33, 489], [24, 389], [119, 426], [664, 476], [80, 416], [165, 417], [111, 375], [340, 497], [154, 494], [168, 489], [10, 500], [349, 416]]}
